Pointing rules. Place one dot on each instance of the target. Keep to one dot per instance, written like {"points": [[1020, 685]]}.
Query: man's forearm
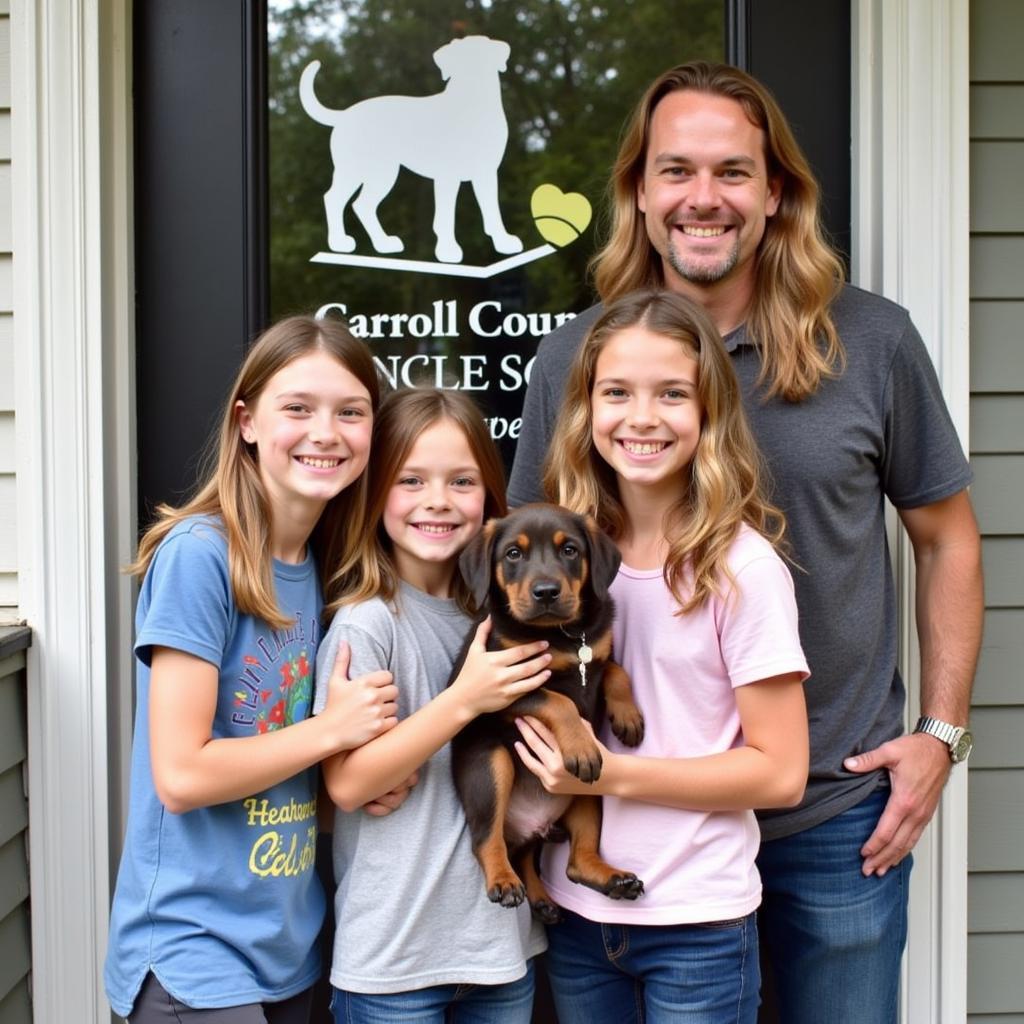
{"points": [[949, 609]]}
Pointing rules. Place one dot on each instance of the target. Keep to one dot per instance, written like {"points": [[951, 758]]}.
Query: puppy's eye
{"points": [[570, 550], [513, 554]]}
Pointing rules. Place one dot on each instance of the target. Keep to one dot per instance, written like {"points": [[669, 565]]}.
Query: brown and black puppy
{"points": [[542, 573]]}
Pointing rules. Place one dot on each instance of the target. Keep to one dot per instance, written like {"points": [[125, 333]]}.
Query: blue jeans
{"points": [[833, 938], [659, 974], [511, 1003]]}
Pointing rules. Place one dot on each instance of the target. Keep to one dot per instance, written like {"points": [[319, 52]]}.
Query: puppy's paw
{"points": [[584, 763], [508, 891], [546, 912], [624, 885], [628, 725]]}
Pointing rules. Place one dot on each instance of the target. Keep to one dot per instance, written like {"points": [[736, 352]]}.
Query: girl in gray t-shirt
{"points": [[414, 926]]}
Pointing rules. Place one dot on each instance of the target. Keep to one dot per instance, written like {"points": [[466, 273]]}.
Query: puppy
{"points": [[543, 573], [453, 136]]}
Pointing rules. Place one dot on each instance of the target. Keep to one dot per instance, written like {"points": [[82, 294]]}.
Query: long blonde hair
{"points": [[724, 477], [403, 416], [798, 274], [233, 492]]}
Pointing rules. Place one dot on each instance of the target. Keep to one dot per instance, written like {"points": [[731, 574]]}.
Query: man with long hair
{"points": [[712, 197]]}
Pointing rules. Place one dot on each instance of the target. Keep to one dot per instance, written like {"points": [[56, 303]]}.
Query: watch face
{"points": [[962, 748]]}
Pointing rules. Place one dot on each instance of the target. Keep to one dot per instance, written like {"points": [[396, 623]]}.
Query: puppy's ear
{"points": [[475, 562], [604, 558]]}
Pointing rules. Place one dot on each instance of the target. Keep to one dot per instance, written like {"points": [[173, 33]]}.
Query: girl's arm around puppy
{"points": [[770, 770], [192, 768], [489, 681]]}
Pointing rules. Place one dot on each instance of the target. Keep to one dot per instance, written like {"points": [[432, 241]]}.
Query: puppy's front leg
{"points": [[580, 753], [625, 717]]}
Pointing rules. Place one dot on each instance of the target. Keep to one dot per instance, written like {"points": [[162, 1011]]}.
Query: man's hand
{"points": [[918, 768]]}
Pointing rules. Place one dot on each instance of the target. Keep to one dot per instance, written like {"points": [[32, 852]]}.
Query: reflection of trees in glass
{"points": [[576, 69]]}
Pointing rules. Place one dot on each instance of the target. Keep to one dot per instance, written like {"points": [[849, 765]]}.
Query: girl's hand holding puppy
{"points": [[540, 752], [491, 680]]}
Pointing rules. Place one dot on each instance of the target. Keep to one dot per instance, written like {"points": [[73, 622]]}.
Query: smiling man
{"points": [[705, 193], [713, 198]]}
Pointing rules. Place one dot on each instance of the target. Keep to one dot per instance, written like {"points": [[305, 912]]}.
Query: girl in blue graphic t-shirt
{"points": [[217, 907]]}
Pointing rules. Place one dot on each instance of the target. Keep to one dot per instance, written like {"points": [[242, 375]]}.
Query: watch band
{"points": [[949, 734], [956, 737]]}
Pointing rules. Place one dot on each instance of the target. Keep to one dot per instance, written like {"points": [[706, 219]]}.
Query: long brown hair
{"points": [[233, 492], [798, 274], [724, 477], [404, 415]]}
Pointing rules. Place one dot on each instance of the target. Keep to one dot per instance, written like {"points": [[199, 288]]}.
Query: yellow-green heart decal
{"points": [[561, 217]]}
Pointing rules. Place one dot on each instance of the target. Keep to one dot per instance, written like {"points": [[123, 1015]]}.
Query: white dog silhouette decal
{"points": [[456, 135]]}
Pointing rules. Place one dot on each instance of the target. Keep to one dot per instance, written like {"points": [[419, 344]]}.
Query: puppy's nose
{"points": [[545, 591]]}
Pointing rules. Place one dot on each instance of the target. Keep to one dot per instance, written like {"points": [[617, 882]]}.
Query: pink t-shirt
{"points": [[696, 865]]}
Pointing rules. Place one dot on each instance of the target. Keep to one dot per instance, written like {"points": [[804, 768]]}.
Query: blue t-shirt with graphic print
{"points": [[221, 903]]}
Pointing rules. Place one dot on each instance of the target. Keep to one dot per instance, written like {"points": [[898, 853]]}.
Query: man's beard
{"points": [[699, 272]]}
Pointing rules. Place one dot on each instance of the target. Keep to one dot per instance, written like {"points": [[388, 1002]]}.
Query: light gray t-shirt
{"points": [[880, 429], [410, 904]]}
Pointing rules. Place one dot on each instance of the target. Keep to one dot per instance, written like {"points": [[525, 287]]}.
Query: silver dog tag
{"points": [[586, 656]]}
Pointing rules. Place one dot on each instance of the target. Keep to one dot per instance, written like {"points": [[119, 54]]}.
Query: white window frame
{"points": [[910, 70]]}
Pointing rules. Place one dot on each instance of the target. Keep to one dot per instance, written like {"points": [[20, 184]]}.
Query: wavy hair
{"points": [[233, 492], [403, 417], [724, 478], [797, 273]]}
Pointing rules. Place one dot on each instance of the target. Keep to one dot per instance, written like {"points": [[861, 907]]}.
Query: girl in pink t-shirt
{"points": [[652, 441]]}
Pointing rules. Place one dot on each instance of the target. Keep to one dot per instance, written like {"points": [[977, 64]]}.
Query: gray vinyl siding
{"points": [[995, 980], [15, 943], [8, 525]]}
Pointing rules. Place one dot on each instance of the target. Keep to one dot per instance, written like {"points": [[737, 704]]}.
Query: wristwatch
{"points": [[956, 737]]}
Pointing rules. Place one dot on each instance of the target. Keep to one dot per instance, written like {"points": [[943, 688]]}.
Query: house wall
{"points": [[15, 939], [8, 523], [72, 302], [995, 984]]}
